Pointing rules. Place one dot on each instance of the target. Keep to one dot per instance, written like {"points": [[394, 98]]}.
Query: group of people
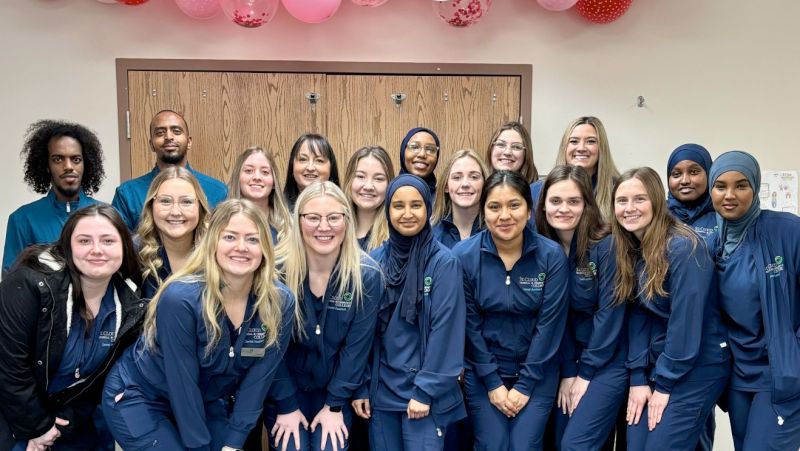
{"points": [[487, 309]]}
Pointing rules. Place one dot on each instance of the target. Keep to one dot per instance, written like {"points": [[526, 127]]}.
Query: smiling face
{"points": [[368, 189], [564, 205], [508, 151], [239, 249], [506, 213], [633, 208], [407, 212], [322, 224], [583, 148], [687, 181], [310, 167], [421, 154], [65, 163], [465, 182], [176, 210], [732, 195], [169, 139], [255, 179], [96, 248]]}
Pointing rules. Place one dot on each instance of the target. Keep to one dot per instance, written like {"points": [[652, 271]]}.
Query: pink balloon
{"points": [[132, 2], [373, 3], [199, 9], [461, 13], [250, 13], [312, 11], [557, 5]]}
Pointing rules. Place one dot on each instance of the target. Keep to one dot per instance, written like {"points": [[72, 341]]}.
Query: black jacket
{"points": [[33, 334]]}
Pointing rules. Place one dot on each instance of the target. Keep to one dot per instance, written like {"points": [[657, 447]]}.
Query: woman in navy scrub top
{"points": [[457, 210], [515, 285], [67, 311], [677, 353], [338, 290], [213, 337], [365, 181], [758, 263]]}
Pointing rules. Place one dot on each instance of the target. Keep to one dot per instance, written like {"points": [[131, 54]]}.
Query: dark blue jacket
{"points": [[447, 233], [774, 238], [333, 349], [439, 357], [38, 222], [129, 197], [595, 335], [681, 336], [194, 386], [515, 319]]}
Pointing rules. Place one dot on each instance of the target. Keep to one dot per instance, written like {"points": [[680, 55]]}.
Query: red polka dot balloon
{"points": [[602, 11]]}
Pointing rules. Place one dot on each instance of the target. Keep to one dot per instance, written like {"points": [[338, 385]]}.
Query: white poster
{"points": [[779, 191]]}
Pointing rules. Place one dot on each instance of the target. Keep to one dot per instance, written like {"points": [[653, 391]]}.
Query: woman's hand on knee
{"points": [[332, 424], [286, 426], [637, 398], [655, 408], [562, 400], [576, 393]]}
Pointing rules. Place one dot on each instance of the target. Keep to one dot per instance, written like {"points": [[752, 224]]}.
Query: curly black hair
{"points": [[36, 154]]}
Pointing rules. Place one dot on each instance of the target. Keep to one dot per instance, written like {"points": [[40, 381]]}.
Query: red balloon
{"points": [[602, 11], [132, 2]]}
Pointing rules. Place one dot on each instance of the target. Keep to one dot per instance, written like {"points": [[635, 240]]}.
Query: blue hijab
{"points": [[732, 232], [405, 257], [431, 178], [687, 212]]}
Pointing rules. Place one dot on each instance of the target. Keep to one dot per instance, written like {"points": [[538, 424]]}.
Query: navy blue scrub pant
{"points": [[496, 432], [755, 425], [593, 420], [394, 431], [683, 419], [310, 403]]}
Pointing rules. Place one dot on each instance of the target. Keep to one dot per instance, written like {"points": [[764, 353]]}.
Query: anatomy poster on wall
{"points": [[779, 191]]}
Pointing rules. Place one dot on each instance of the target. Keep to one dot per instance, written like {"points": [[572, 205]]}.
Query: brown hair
{"points": [[528, 169]]}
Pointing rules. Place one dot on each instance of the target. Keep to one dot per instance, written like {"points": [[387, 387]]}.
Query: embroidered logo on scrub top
{"points": [[427, 282], [774, 269], [254, 342], [587, 272], [341, 303], [532, 283], [107, 338]]}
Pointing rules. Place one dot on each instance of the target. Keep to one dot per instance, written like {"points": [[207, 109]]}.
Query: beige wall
{"points": [[718, 72]]}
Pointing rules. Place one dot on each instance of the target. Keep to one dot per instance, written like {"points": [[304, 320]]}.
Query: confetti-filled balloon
{"points": [[602, 11], [371, 3], [249, 13], [199, 9], [132, 2], [461, 13], [557, 5], [309, 11]]}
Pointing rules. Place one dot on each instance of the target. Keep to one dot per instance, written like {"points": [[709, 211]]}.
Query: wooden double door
{"points": [[229, 107]]}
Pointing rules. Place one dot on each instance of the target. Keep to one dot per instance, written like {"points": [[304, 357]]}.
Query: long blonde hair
{"points": [[147, 232], [653, 246], [351, 257], [379, 232], [278, 211], [606, 172], [203, 267], [528, 169], [443, 205]]}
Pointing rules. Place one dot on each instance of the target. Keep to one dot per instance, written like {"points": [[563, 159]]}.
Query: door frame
{"points": [[523, 71]]}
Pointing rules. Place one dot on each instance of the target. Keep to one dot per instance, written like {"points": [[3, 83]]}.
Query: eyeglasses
{"points": [[166, 202], [314, 219], [515, 147], [416, 147]]}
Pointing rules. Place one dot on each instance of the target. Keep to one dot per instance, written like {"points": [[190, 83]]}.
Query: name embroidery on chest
{"points": [[774, 269], [341, 303]]}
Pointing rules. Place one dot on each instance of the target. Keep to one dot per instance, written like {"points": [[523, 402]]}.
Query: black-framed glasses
{"points": [[416, 147], [515, 147], [315, 219]]}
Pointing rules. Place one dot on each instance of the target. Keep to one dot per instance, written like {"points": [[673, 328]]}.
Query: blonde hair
{"points": [[528, 169], [653, 246], [351, 258], [203, 267], [278, 216], [443, 205], [606, 172], [149, 236], [379, 232]]}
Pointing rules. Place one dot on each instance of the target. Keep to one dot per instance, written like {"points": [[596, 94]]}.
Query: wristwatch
{"points": [[336, 409]]}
